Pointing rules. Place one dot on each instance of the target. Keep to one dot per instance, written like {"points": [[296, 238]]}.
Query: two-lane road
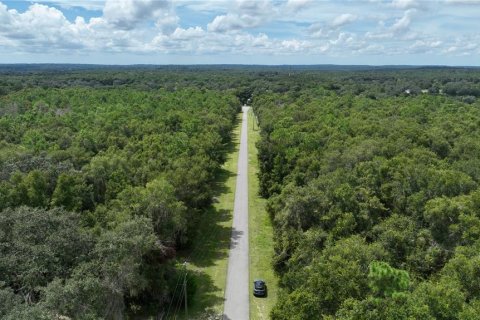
{"points": [[237, 305]]}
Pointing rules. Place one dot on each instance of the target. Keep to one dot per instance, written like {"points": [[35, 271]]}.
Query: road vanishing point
{"points": [[236, 306]]}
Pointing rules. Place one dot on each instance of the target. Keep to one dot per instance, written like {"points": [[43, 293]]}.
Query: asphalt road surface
{"points": [[236, 305]]}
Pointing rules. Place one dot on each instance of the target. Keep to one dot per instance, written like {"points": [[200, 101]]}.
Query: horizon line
{"points": [[236, 64]]}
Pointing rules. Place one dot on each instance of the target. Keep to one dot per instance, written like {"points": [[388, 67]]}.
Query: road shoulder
{"points": [[261, 233], [208, 260]]}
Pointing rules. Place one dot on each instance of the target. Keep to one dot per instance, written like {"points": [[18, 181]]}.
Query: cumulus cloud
{"points": [[463, 2], [405, 4], [44, 29], [322, 30], [344, 37], [297, 5], [203, 42], [206, 6], [462, 46], [400, 29], [230, 22], [187, 34], [5, 16], [257, 7], [38, 27], [127, 14], [259, 42], [151, 27], [424, 46], [86, 4], [245, 14], [318, 30], [343, 19], [295, 45], [404, 22]]}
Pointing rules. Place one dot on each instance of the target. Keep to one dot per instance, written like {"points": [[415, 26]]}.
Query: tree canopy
{"points": [[373, 199], [99, 187]]}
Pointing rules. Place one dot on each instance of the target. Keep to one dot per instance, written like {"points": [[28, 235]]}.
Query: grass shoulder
{"points": [[208, 260], [260, 233]]}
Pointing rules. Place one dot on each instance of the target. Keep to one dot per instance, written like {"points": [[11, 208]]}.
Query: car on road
{"points": [[259, 288]]}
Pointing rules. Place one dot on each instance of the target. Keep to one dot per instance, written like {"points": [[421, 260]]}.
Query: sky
{"points": [[373, 32]]}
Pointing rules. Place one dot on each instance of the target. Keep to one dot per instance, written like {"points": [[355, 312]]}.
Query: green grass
{"points": [[260, 232], [208, 260]]}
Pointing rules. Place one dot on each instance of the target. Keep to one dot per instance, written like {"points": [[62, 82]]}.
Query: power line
{"points": [[179, 303], [185, 290], [173, 297], [185, 293]]}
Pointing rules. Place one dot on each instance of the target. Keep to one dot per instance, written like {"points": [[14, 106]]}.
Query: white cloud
{"points": [[67, 4], [424, 46], [246, 14], [36, 28], [463, 46], [295, 45], [5, 16], [205, 6], [320, 32], [463, 2], [151, 27], [45, 29], [343, 19], [378, 36], [259, 42], [404, 22], [240, 43], [127, 14], [405, 4], [225, 23], [253, 8], [343, 38], [399, 30], [187, 34], [297, 5]]}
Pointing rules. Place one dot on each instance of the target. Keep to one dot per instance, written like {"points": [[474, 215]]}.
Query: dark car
{"points": [[259, 288]]}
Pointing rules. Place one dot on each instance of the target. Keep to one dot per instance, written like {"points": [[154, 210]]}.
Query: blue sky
{"points": [[376, 32]]}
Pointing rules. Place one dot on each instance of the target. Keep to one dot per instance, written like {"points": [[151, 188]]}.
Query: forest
{"points": [[371, 175], [98, 189], [374, 195]]}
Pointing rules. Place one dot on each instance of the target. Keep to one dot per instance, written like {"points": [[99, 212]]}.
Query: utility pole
{"points": [[185, 290], [253, 121]]}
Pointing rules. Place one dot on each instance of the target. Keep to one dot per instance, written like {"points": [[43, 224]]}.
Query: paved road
{"points": [[236, 292]]}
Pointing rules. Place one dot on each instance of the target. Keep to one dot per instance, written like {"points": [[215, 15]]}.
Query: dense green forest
{"points": [[99, 188], [375, 202], [372, 177]]}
